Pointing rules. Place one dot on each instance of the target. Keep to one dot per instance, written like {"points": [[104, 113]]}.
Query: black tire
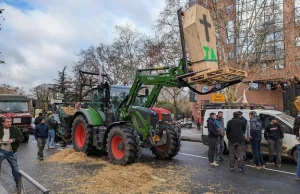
{"points": [[295, 155], [80, 127], [172, 147], [123, 145], [26, 139]]}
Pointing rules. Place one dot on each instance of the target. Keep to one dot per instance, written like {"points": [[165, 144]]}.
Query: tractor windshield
{"points": [[117, 95]]}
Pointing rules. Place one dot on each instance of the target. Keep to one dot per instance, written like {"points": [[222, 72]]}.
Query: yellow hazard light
{"points": [[155, 138]]}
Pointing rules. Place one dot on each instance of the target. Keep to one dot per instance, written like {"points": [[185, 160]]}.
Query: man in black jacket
{"points": [[236, 136], [10, 138], [38, 119], [274, 135], [41, 134], [212, 138]]}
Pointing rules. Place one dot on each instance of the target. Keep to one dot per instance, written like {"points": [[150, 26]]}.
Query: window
{"points": [[297, 12], [204, 102], [297, 42], [254, 86], [230, 32], [284, 127], [230, 55], [229, 9], [279, 64], [204, 89]]}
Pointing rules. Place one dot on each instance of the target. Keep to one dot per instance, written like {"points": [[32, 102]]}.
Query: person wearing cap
{"points": [[49, 121], [235, 134], [255, 139], [212, 139], [274, 135]]}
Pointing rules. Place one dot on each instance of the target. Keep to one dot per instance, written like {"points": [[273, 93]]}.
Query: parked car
{"points": [[285, 121]]}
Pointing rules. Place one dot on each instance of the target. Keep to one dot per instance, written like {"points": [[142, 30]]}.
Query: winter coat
{"points": [[15, 134], [212, 130], [273, 131], [255, 128], [236, 130], [41, 131]]}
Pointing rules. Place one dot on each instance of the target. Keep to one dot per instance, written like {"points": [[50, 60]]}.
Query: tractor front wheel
{"points": [[123, 145], [171, 148], [82, 136]]}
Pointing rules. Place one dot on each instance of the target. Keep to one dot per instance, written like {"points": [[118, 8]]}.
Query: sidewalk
{"points": [[191, 134], [2, 189]]}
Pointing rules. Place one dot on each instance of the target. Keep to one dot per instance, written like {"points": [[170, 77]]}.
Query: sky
{"points": [[40, 37]]}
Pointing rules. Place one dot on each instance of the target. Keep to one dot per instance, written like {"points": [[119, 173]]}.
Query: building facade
{"points": [[263, 34]]}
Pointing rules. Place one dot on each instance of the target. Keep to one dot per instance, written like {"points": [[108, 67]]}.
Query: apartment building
{"points": [[262, 36]]}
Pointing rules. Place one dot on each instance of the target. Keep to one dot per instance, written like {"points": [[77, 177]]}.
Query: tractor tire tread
{"points": [[88, 148], [131, 141]]}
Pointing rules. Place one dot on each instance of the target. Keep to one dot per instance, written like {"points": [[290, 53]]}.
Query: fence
{"points": [[21, 188]]}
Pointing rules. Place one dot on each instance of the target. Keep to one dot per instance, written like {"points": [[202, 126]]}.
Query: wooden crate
{"points": [[223, 75], [200, 37]]}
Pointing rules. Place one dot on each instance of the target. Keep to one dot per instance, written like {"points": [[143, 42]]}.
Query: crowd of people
{"points": [[11, 137], [239, 131]]}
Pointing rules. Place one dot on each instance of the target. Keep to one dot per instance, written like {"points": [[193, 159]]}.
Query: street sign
{"points": [[59, 96], [218, 98], [57, 101]]}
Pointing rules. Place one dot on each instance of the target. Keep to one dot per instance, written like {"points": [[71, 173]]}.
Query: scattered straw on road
{"points": [[146, 177]]}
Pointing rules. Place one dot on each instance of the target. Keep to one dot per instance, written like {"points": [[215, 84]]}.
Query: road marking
{"points": [[269, 169], [194, 155], [285, 172], [33, 141]]}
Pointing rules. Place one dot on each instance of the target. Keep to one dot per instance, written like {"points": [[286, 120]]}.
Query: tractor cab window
{"points": [[117, 95], [97, 100]]}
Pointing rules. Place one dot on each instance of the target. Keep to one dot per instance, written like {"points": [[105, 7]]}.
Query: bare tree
{"points": [[8, 89], [43, 94], [129, 51]]}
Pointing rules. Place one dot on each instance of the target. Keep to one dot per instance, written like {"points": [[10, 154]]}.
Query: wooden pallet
{"points": [[223, 75]]}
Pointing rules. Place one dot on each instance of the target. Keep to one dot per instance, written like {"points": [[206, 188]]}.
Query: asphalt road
{"points": [[204, 178]]}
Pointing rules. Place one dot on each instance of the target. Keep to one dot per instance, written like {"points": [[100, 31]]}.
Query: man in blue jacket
{"points": [[219, 123], [41, 134], [212, 139]]}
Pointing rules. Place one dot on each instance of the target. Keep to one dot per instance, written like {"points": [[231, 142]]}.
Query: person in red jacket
{"points": [[199, 121]]}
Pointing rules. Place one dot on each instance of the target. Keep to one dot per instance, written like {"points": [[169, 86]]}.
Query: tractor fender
{"points": [[93, 117]]}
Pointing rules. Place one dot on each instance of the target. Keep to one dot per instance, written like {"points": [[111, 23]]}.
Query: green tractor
{"points": [[114, 123]]}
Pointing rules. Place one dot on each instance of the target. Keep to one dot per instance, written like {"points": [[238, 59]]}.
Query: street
{"points": [[192, 159]]}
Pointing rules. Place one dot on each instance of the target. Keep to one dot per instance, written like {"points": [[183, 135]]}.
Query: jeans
{"points": [[275, 146], [298, 163], [256, 150], [51, 137], [41, 145], [220, 147], [212, 142], [236, 150], [12, 160]]}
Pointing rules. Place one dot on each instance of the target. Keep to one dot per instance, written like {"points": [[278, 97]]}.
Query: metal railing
{"points": [[32, 181]]}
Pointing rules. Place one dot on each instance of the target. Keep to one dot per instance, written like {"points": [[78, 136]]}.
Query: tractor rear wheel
{"points": [[171, 148], [82, 136], [123, 145]]}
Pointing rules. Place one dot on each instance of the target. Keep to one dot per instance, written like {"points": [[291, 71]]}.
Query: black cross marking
{"points": [[206, 26]]}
